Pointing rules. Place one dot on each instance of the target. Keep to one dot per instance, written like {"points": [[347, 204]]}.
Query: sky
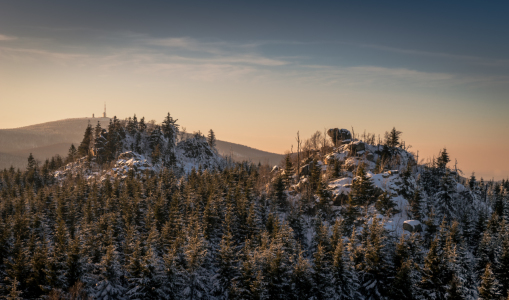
{"points": [[257, 72]]}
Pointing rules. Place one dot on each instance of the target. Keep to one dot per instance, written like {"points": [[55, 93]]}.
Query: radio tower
{"points": [[104, 113]]}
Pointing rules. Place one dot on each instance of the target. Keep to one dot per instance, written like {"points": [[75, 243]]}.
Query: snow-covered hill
{"points": [[129, 147]]}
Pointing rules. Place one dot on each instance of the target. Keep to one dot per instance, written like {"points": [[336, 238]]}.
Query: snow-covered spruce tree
{"points": [[344, 278], [442, 273], [432, 285], [156, 144], [316, 172], [322, 275], [392, 138], [37, 280], [288, 171], [114, 139], [416, 204], [226, 265], [108, 285], [324, 197], [502, 267], [499, 205], [489, 288], [297, 223], [375, 268], [172, 280], [15, 293], [16, 267], [279, 193], [100, 145], [301, 278], [407, 190], [86, 143], [405, 261], [488, 249], [196, 278], [72, 154], [211, 139], [385, 205], [148, 284], [465, 272], [277, 269], [362, 190], [445, 198]]}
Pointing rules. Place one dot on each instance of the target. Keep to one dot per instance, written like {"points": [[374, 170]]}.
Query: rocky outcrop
{"points": [[412, 226], [370, 156], [339, 135], [340, 199], [195, 152], [304, 170]]}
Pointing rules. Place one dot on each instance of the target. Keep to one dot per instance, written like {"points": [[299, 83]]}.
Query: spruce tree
{"points": [[86, 142], [72, 154], [109, 286], [362, 190], [344, 278], [454, 289], [416, 204], [32, 164], [443, 159], [392, 138], [211, 139], [322, 275], [502, 268], [445, 198], [316, 172], [375, 266], [301, 278], [385, 205], [279, 192], [489, 288], [288, 171], [434, 274], [14, 293], [324, 197], [226, 266]]}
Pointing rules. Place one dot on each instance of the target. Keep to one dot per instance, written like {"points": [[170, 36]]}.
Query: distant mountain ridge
{"points": [[48, 139]]}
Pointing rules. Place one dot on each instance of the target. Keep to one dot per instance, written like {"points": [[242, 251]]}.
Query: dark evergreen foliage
{"points": [[242, 232]]}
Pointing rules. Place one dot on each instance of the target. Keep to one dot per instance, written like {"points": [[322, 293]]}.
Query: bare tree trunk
{"points": [[298, 155]]}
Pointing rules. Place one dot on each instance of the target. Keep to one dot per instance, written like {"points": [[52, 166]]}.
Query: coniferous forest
{"points": [[143, 211]]}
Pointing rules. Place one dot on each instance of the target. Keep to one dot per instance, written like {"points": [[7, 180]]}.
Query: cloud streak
{"points": [[210, 61], [472, 59], [7, 38]]}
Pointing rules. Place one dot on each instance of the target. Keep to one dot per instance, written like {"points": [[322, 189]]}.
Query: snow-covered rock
{"points": [[412, 226]]}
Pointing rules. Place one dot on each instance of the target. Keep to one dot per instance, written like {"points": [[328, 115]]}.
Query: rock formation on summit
{"points": [[338, 135]]}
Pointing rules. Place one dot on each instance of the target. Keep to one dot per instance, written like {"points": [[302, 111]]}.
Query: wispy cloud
{"points": [[215, 52], [23, 54], [7, 38], [469, 58], [215, 60]]}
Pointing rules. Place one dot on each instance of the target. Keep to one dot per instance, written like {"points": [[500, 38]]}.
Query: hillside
{"points": [[143, 214], [48, 139]]}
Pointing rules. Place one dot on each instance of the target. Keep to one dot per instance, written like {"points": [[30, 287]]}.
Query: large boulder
{"points": [[304, 170], [340, 199], [338, 135], [412, 226], [370, 157]]}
